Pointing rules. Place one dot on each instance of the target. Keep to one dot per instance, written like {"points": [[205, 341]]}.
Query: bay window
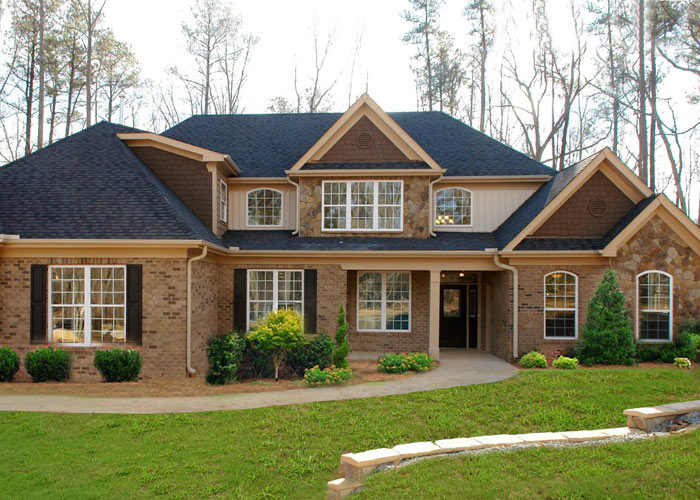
{"points": [[384, 301], [362, 205]]}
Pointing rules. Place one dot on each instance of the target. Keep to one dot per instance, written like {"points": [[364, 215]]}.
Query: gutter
{"points": [[514, 270], [296, 184], [190, 370]]}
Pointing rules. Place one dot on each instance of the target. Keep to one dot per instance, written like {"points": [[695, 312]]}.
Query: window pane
{"points": [[453, 207], [397, 315], [389, 218], [108, 324], [361, 217], [654, 292], [334, 217], [335, 200], [369, 292], [68, 325], [264, 208], [654, 326], [560, 324]]}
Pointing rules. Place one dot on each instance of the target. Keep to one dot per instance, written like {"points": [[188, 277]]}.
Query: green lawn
{"points": [[290, 452]]}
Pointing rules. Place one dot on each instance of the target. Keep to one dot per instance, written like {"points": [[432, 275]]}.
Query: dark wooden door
{"points": [[473, 317], [453, 316]]}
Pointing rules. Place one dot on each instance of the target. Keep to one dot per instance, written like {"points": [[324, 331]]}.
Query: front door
{"points": [[453, 316]]}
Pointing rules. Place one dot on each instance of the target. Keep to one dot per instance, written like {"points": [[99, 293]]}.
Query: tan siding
{"points": [[237, 210]]}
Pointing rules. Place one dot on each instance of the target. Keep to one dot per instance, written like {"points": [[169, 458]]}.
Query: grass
{"points": [[292, 451]]}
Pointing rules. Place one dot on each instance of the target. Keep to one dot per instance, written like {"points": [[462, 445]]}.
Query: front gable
{"points": [[364, 142]]}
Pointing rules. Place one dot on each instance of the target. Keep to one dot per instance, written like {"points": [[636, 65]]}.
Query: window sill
{"points": [[559, 339], [362, 230], [383, 331], [654, 341]]}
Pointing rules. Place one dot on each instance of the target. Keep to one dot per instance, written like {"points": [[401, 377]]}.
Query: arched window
{"points": [[453, 207], [264, 207], [561, 305], [655, 306]]}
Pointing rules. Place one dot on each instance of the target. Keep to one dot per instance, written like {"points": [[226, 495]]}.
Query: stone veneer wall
{"points": [[415, 208], [574, 218], [164, 314], [346, 149], [415, 340]]}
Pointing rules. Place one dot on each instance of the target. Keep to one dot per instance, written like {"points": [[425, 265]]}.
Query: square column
{"points": [[434, 339]]}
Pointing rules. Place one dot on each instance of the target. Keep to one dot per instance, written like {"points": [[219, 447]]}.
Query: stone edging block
{"points": [[458, 444], [499, 440], [420, 449], [371, 457]]}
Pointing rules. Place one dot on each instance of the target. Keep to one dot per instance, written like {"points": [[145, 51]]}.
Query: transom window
{"points": [[453, 207], [87, 304], [223, 201], [560, 305], [384, 301], [264, 207], [654, 306], [362, 205], [270, 290]]}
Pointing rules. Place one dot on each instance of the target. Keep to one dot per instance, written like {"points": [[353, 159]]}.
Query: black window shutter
{"points": [[310, 300], [38, 291], [240, 299], [134, 287]]}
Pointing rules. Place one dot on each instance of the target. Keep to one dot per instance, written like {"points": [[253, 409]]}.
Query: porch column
{"points": [[434, 342]]}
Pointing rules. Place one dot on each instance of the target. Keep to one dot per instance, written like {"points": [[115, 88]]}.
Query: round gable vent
{"points": [[598, 207], [364, 140]]}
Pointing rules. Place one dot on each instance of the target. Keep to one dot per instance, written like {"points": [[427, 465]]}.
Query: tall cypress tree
{"points": [[607, 334], [341, 341]]}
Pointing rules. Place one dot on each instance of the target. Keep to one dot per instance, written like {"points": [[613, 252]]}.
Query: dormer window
{"points": [[453, 207], [362, 205], [264, 208]]}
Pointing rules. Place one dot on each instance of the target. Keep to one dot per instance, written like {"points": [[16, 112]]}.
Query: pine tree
{"points": [[607, 334], [341, 341]]}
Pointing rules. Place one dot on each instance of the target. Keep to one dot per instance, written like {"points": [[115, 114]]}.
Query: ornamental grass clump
{"points": [[606, 337], [280, 332], [533, 359], [565, 363], [316, 376], [9, 364]]}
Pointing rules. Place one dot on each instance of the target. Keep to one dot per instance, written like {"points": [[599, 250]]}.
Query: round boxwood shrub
{"points": [[119, 365], [48, 365], [9, 364], [533, 359], [224, 353], [565, 363]]}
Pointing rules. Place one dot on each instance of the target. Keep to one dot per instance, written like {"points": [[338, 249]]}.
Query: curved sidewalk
{"points": [[457, 368]]}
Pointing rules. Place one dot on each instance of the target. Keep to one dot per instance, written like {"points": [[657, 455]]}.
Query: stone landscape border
{"points": [[355, 467]]}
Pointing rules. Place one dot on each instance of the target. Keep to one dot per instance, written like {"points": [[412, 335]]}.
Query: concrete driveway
{"points": [[457, 368]]}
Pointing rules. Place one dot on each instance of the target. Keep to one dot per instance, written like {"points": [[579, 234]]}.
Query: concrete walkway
{"points": [[457, 368]]}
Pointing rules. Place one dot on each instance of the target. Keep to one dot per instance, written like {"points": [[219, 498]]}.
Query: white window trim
{"points": [[375, 222], [275, 291], [223, 201], [281, 224], [447, 227], [383, 309], [545, 308], [87, 305], [669, 311]]}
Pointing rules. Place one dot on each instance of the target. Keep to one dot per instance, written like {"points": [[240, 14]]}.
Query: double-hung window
{"points": [[654, 306], [87, 304], [271, 289], [384, 301], [223, 201], [362, 205], [560, 305]]}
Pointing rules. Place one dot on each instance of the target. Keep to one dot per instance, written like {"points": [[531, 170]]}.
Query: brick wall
{"points": [[346, 149], [502, 312], [415, 209], [164, 314], [204, 312], [415, 340], [574, 217], [189, 179]]}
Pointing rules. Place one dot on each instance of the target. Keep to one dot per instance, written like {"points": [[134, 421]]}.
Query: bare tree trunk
{"points": [[482, 70], [642, 91], [613, 83], [88, 72], [427, 60], [52, 119], [42, 71], [29, 96], [652, 99]]}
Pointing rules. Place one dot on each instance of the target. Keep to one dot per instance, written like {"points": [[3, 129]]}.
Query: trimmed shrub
{"points": [[119, 365], [224, 353], [316, 376], [9, 364], [685, 345], [280, 332], [256, 362], [341, 341], [317, 351], [565, 363], [683, 363], [401, 363], [606, 337], [48, 364], [533, 359]]}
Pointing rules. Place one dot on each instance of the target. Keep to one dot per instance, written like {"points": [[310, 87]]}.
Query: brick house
{"points": [[431, 234]]}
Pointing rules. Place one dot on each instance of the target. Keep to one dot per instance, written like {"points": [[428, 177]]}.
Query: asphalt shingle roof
{"points": [[91, 186], [283, 240], [266, 145]]}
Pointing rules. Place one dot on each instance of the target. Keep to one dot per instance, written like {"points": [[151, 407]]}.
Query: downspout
{"points": [[190, 370], [430, 206], [514, 270], [296, 184]]}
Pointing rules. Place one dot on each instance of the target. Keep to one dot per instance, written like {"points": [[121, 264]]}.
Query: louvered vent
{"points": [[364, 140], [598, 207]]}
